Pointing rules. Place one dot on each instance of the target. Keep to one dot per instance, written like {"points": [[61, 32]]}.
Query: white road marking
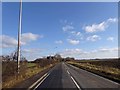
{"points": [[96, 75], [101, 77], [74, 66], [75, 83], [41, 82], [68, 72], [37, 81]]}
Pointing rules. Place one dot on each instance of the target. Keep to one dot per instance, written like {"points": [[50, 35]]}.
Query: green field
{"points": [[29, 65]]}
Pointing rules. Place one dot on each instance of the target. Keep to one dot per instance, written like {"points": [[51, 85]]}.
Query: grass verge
{"points": [[32, 69]]}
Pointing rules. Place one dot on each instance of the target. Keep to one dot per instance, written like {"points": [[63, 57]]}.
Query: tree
{"points": [[58, 56]]}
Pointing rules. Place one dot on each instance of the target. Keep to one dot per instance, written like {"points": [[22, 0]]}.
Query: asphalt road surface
{"points": [[67, 76]]}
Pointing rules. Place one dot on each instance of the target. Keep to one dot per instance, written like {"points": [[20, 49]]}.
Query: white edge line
{"points": [[98, 76], [75, 82], [73, 66], [37, 81], [41, 81], [101, 77]]}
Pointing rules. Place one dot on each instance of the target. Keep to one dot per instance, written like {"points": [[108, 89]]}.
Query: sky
{"points": [[81, 30]]}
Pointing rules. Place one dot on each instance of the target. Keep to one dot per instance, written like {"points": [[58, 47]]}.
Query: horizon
{"points": [[85, 30]]}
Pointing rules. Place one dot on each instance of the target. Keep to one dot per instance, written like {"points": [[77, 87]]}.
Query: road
{"points": [[68, 76]]}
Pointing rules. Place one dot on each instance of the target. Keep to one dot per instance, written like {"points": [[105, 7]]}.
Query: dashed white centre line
{"points": [[68, 72], [75, 83]]}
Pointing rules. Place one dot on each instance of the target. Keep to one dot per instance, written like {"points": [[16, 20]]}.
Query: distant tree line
{"points": [[51, 60]]}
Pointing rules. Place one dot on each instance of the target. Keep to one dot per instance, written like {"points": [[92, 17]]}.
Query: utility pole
{"points": [[19, 37]]}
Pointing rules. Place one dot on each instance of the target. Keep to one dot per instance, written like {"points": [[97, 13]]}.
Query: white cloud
{"points": [[110, 38], [27, 37], [107, 49], [32, 50], [76, 33], [99, 27], [112, 20], [59, 42], [67, 28], [75, 36], [8, 41], [32, 53], [71, 52], [96, 27], [93, 38], [73, 42], [98, 53]]}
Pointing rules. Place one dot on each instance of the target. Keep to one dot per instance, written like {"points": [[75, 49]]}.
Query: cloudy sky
{"points": [[80, 30]]}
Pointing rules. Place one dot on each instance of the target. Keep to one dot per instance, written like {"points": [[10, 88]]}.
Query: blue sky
{"points": [[80, 30]]}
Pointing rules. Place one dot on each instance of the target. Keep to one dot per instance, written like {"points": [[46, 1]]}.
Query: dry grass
{"points": [[13, 80]]}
